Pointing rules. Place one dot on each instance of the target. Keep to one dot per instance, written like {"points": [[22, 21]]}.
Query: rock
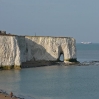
{"points": [[14, 50]]}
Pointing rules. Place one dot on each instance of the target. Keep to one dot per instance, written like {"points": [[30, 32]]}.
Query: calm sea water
{"points": [[56, 82], [88, 52]]}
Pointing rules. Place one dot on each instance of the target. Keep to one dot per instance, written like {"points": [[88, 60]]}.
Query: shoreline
{"points": [[5, 95], [32, 64]]}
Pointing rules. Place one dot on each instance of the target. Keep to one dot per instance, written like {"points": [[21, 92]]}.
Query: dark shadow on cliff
{"points": [[35, 50]]}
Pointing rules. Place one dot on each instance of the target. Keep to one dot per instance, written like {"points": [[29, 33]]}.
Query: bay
{"points": [[56, 82]]}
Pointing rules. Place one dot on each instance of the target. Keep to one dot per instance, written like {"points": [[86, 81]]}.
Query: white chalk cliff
{"points": [[17, 49]]}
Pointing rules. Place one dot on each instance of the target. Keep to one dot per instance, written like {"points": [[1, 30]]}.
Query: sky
{"points": [[66, 18]]}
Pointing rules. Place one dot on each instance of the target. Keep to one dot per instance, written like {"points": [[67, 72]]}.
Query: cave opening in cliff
{"points": [[61, 58]]}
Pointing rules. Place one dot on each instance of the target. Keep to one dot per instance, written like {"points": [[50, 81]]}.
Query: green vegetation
{"points": [[71, 60], [9, 67]]}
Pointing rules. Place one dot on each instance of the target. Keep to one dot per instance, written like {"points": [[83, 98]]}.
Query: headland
{"points": [[31, 51]]}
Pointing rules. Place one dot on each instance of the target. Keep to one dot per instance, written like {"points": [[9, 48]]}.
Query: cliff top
{"points": [[3, 33]]}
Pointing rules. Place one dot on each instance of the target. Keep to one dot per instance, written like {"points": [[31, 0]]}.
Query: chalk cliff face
{"points": [[50, 48], [12, 51], [17, 49]]}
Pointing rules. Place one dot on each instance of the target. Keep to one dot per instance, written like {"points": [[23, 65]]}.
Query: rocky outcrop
{"points": [[14, 50], [50, 48]]}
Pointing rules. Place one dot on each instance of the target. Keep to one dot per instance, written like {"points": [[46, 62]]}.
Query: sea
{"points": [[57, 82]]}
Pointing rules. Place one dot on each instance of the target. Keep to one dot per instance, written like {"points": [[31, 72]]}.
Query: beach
{"points": [[7, 96], [3, 96]]}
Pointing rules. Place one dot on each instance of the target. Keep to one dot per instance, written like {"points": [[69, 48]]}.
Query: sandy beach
{"points": [[7, 96], [4, 96]]}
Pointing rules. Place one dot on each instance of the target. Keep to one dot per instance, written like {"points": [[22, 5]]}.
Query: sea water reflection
{"points": [[9, 80], [53, 82]]}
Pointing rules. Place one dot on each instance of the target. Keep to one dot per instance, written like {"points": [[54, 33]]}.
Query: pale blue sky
{"points": [[69, 18]]}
